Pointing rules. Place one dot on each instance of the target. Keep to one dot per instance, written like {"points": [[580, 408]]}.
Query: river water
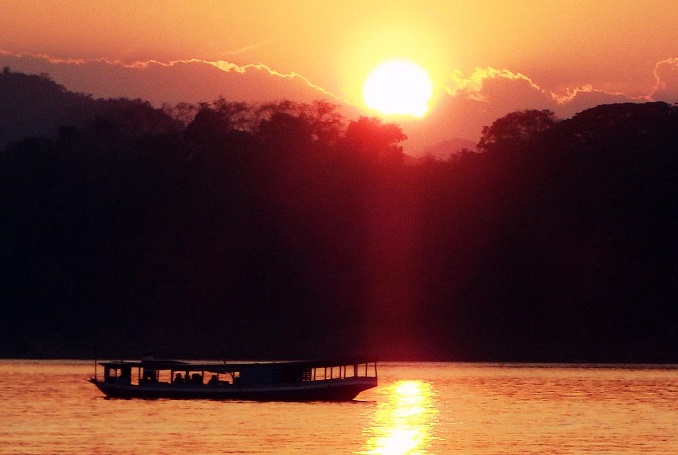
{"points": [[48, 407]]}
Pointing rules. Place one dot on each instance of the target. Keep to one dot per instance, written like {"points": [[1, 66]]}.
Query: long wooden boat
{"points": [[338, 380]]}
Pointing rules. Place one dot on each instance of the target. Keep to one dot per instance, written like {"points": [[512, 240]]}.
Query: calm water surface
{"points": [[418, 408]]}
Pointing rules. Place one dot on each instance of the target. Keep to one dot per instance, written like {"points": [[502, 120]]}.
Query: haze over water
{"points": [[418, 408]]}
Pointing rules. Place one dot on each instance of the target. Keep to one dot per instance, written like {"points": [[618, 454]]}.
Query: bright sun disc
{"points": [[398, 87]]}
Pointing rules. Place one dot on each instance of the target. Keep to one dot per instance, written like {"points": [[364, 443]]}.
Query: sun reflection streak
{"points": [[403, 423]]}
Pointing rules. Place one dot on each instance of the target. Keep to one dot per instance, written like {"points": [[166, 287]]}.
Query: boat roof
{"points": [[226, 367]]}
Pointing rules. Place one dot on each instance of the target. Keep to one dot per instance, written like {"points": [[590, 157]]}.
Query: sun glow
{"points": [[398, 87]]}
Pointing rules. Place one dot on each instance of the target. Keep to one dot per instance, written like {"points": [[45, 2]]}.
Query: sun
{"points": [[398, 87]]}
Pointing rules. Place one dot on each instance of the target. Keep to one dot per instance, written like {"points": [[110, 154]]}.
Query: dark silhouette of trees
{"points": [[285, 230], [587, 205], [36, 106], [373, 141], [513, 131]]}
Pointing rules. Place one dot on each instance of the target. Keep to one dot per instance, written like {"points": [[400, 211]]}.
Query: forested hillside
{"points": [[283, 230]]}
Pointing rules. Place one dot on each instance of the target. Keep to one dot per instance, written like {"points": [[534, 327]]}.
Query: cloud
{"points": [[245, 49], [666, 77], [486, 94], [585, 97], [473, 86], [178, 80], [227, 66], [503, 86]]}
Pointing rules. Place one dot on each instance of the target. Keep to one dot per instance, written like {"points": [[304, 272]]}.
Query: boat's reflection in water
{"points": [[404, 420]]}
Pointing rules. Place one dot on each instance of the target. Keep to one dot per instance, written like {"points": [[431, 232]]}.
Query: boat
{"points": [[317, 380]]}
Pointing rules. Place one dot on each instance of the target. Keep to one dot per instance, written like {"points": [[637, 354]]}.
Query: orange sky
{"points": [[487, 58]]}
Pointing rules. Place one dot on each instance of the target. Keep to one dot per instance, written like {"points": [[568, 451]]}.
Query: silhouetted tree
{"points": [[514, 130], [374, 141], [285, 133]]}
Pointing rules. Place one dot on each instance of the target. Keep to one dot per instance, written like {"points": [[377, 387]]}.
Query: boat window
{"points": [[111, 375], [121, 375], [307, 374]]}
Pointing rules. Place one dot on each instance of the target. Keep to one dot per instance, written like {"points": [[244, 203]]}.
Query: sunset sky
{"points": [[485, 58]]}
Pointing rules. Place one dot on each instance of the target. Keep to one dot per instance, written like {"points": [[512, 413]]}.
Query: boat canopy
{"points": [[226, 367]]}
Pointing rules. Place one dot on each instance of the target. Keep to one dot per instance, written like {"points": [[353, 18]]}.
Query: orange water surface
{"points": [[48, 407]]}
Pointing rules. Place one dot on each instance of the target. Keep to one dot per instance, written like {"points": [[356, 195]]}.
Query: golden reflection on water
{"points": [[404, 420]]}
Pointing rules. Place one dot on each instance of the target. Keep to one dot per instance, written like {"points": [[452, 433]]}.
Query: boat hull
{"points": [[328, 390]]}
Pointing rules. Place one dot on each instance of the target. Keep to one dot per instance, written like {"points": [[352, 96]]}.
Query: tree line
{"points": [[284, 230]]}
